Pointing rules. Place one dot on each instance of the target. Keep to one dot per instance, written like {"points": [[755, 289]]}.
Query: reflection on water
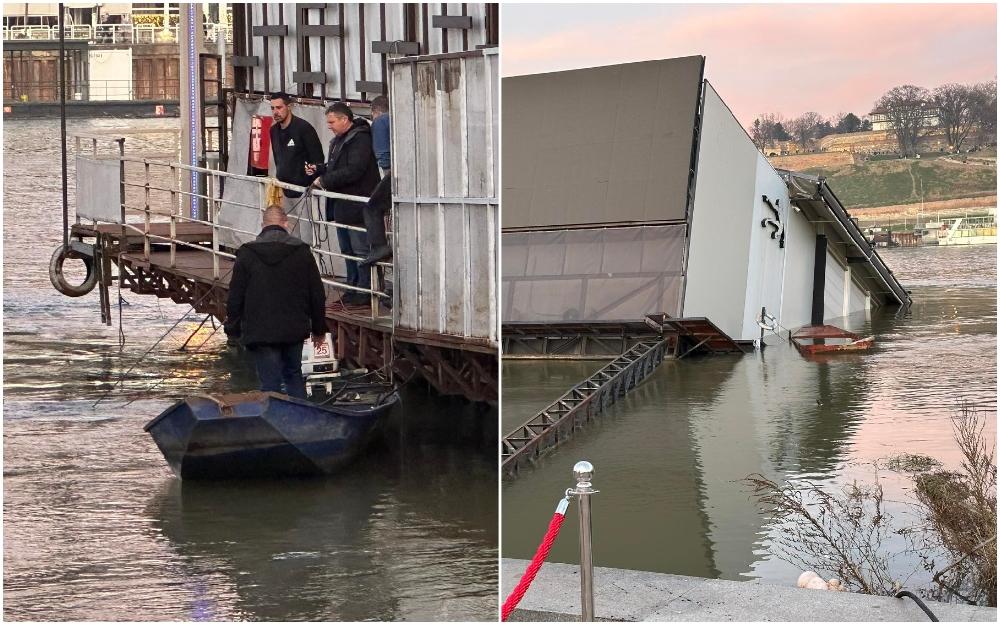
{"points": [[96, 527], [668, 458]]}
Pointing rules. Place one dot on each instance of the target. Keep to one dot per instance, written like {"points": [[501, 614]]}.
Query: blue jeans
{"points": [[280, 363], [344, 239], [356, 244]]}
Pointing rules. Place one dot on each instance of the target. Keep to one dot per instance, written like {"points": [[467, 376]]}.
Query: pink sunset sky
{"points": [[780, 58]]}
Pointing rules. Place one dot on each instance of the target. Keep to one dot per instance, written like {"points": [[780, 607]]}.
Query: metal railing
{"points": [[93, 90], [113, 33], [164, 179]]}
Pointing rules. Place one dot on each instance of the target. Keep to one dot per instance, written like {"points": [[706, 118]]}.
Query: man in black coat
{"points": [[276, 300], [294, 143], [351, 169]]}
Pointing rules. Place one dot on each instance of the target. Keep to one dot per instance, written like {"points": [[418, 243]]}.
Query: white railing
{"points": [[114, 33], [170, 186]]}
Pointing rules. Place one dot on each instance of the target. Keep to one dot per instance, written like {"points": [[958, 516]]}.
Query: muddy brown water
{"points": [[97, 528], [669, 457]]}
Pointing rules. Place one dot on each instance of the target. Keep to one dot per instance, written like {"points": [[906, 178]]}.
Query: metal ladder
{"points": [[581, 403]]}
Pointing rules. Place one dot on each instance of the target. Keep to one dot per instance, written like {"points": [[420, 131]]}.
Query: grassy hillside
{"points": [[897, 181]]}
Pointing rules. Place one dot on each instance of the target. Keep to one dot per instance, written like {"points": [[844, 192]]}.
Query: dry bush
{"points": [[961, 509], [845, 534], [839, 534]]}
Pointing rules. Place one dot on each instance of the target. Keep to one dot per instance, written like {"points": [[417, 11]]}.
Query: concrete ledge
{"points": [[623, 595]]}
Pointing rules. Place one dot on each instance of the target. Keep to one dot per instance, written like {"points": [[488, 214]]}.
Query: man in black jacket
{"points": [[276, 299], [351, 169], [294, 143]]}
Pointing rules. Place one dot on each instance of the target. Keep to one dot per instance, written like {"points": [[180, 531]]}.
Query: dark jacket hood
{"points": [[273, 245], [359, 126]]}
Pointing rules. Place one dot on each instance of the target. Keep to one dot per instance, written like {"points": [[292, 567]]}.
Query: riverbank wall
{"points": [[624, 595]]}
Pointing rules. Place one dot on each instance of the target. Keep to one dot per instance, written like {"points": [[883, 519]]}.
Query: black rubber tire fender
{"points": [[58, 279]]}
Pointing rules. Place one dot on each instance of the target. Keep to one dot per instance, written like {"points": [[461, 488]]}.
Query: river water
{"points": [[670, 456], [95, 526]]}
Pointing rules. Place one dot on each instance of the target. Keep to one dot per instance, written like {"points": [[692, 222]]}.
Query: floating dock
{"points": [[171, 229]]}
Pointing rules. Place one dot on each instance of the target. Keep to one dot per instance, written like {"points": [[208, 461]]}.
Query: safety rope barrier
{"points": [[536, 562]]}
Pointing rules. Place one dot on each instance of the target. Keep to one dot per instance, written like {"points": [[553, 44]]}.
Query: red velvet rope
{"points": [[536, 563]]}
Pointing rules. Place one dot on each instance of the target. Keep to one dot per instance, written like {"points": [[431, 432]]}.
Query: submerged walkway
{"points": [[623, 595]]}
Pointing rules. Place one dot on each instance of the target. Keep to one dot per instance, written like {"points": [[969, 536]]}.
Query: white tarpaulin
{"points": [[594, 274]]}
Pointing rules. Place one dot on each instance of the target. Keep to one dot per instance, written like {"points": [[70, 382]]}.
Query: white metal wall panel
{"points": [[767, 259], [722, 222], [98, 189], [858, 298], [833, 291], [800, 247], [444, 118]]}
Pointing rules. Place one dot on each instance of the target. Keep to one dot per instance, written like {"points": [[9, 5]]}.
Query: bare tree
{"points": [[984, 110], [764, 131], [905, 108], [954, 103], [804, 128]]}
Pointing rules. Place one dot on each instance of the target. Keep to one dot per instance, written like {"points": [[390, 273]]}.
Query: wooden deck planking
{"points": [[197, 265], [186, 231]]}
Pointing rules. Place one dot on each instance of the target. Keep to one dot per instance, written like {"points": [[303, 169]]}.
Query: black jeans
{"points": [[280, 363]]}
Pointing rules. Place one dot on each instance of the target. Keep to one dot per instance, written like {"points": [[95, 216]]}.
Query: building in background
{"points": [[116, 52]]}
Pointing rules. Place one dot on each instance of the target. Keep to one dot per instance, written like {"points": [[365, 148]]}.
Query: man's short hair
{"points": [[339, 108], [281, 95], [273, 215], [380, 104]]}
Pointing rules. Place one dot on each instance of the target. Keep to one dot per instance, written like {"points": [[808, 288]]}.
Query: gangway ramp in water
{"points": [[582, 403]]}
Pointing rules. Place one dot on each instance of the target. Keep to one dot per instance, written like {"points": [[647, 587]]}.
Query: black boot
{"points": [[378, 254]]}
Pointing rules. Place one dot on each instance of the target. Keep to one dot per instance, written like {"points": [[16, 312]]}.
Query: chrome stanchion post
{"points": [[583, 471]]}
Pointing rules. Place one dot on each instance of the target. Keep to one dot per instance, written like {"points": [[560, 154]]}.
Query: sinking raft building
{"points": [[632, 189]]}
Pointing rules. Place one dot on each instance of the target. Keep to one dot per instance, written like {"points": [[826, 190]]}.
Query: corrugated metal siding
{"points": [[444, 126]]}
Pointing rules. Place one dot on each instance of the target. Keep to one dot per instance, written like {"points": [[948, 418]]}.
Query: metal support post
{"points": [[583, 472]]}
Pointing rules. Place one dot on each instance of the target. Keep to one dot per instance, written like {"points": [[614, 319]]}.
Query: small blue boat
{"points": [[265, 434]]}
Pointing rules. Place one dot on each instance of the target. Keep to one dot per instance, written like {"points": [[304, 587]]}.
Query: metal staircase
{"points": [[582, 403]]}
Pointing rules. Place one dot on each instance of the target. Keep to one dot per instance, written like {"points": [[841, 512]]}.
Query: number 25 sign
{"points": [[323, 350]]}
